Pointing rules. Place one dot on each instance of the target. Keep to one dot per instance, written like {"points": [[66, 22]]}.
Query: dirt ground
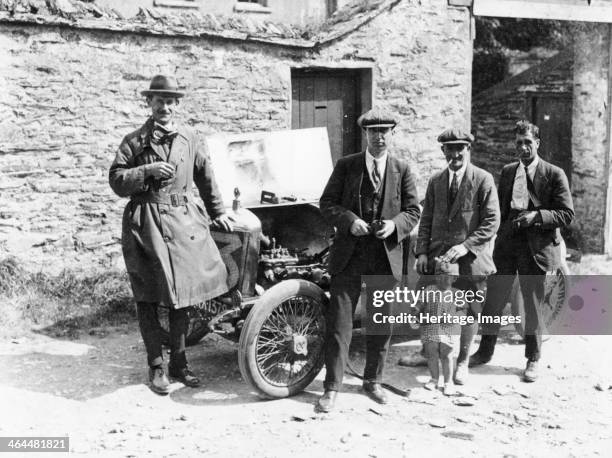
{"points": [[93, 391]]}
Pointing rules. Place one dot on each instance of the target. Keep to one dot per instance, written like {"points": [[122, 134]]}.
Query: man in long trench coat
{"points": [[169, 252]]}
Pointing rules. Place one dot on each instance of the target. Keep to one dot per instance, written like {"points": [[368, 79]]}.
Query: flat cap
{"points": [[455, 135], [377, 117]]}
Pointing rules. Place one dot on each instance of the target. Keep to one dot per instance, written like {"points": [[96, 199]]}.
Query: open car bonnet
{"points": [[288, 163]]}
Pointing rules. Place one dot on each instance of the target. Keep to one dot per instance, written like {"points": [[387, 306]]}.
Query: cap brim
{"points": [[166, 93], [390, 126], [456, 142]]}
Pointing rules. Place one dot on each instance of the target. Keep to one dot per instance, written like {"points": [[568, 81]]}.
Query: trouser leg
{"points": [[499, 287], [377, 347], [532, 285], [498, 290], [344, 294], [378, 336], [150, 331], [179, 321], [468, 331]]}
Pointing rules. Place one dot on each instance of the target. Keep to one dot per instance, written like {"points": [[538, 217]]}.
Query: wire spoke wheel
{"points": [[555, 295], [282, 341], [290, 340]]}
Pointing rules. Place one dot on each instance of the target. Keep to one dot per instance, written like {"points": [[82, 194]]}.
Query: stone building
{"points": [[591, 107], [72, 74], [287, 11], [543, 93]]}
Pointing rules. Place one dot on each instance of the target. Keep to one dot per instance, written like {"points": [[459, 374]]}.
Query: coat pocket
{"points": [[135, 216], [202, 214]]}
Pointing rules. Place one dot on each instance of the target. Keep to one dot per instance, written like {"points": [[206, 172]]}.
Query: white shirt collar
{"points": [[459, 174], [382, 159], [531, 167], [381, 163]]}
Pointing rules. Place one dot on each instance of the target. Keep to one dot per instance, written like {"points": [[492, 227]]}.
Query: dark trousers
{"points": [[369, 258], [515, 258], [151, 334]]}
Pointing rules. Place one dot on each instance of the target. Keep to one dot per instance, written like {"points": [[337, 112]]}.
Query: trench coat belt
{"points": [[174, 200]]}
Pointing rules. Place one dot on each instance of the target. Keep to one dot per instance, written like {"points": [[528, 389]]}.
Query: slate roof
{"points": [[88, 15], [562, 62]]}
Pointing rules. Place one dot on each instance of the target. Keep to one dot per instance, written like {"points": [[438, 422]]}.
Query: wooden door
{"points": [[553, 115], [332, 99]]}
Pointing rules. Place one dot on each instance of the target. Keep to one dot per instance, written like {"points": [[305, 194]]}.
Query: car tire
{"points": [[288, 320]]}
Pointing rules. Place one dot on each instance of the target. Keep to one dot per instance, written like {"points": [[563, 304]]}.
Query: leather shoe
{"points": [[158, 381], [327, 401], [185, 376], [478, 359], [375, 392], [531, 372], [461, 373]]}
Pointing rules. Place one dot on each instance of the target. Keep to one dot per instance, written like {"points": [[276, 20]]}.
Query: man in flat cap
{"points": [[371, 199], [460, 218], [169, 252], [535, 201]]}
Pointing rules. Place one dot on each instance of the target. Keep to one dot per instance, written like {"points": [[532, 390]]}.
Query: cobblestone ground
{"points": [[93, 391]]}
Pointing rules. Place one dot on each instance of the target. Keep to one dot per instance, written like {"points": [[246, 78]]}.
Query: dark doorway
{"points": [[552, 113], [332, 98]]}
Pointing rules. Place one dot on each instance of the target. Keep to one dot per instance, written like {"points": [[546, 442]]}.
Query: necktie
{"points": [[530, 187], [162, 135], [376, 176], [531, 190], [454, 189]]}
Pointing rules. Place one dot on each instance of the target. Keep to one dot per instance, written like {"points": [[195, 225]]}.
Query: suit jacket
{"points": [[473, 220], [557, 210], [341, 204]]}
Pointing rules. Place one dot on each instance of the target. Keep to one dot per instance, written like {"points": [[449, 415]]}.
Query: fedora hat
{"points": [[163, 85]]}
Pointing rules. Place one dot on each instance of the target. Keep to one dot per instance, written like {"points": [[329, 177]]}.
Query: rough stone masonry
{"points": [[70, 92]]}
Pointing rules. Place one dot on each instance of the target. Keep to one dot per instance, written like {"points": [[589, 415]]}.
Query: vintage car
{"points": [[276, 257]]}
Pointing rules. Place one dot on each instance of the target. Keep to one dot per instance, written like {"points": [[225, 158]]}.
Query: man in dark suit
{"points": [[535, 202], [371, 199], [459, 221]]}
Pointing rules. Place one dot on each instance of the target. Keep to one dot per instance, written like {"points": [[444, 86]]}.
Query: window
{"points": [[176, 4], [252, 6]]}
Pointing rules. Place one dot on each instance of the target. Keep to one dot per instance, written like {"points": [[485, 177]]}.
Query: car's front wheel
{"points": [[281, 347]]}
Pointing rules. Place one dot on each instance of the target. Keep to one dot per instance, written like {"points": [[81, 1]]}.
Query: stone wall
{"points": [[590, 132], [294, 12], [496, 110], [69, 95], [582, 71]]}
